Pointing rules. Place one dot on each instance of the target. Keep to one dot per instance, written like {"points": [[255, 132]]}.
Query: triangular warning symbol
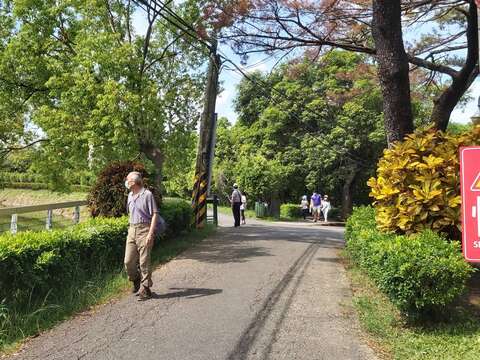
{"points": [[476, 184]]}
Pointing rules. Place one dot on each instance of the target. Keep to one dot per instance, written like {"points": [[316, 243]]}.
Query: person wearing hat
{"points": [[236, 201], [325, 207], [304, 205]]}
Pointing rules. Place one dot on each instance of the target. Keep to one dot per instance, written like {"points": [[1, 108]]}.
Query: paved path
{"points": [[262, 291]]}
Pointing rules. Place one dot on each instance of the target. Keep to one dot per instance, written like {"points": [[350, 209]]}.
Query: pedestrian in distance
{"points": [[304, 205], [142, 217], [243, 207], [326, 206], [316, 205], [236, 201]]}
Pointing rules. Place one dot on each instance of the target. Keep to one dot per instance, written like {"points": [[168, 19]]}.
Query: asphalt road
{"points": [[262, 291]]}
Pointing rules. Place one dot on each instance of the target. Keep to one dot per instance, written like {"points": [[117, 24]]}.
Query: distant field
{"points": [[18, 197], [37, 221]]}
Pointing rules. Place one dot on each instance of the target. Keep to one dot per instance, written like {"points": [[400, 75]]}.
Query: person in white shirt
{"points": [[325, 207], [243, 207], [304, 205]]}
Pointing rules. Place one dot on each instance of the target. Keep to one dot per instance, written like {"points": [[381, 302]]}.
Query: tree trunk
{"points": [[347, 199], [393, 69], [155, 155], [449, 98], [274, 206]]}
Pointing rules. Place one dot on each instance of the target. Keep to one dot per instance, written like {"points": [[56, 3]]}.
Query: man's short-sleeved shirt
{"points": [[316, 199], [141, 207], [236, 196]]}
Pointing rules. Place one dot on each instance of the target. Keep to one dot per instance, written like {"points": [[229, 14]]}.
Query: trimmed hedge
{"points": [[421, 274], [34, 265], [290, 211]]}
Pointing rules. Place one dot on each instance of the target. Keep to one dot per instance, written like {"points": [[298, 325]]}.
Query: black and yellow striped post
{"points": [[199, 200], [206, 141]]}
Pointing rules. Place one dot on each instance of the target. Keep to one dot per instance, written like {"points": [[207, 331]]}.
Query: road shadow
{"points": [[238, 245], [189, 293]]}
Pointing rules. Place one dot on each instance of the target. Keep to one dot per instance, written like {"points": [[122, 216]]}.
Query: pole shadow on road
{"points": [[189, 293]]}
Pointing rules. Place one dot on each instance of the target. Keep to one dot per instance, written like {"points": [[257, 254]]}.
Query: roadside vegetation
{"points": [[392, 336], [416, 296], [53, 275]]}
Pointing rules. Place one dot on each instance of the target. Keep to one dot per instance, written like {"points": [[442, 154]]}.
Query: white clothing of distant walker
{"points": [[304, 203], [244, 203], [326, 206]]}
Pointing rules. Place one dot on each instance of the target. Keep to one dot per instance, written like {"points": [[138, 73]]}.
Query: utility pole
{"points": [[206, 140]]}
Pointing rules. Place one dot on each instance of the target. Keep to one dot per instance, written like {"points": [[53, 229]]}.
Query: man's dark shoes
{"points": [[136, 287], [144, 294]]}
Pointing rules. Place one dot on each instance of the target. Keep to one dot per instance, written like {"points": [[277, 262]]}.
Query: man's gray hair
{"points": [[136, 176]]}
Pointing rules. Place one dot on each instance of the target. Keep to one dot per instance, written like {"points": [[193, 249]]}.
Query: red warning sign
{"points": [[470, 189]]}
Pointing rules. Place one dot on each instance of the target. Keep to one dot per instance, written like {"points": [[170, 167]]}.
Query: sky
{"points": [[229, 80]]}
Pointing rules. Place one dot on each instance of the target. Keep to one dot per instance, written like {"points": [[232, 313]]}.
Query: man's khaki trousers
{"points": [[137, 255]]}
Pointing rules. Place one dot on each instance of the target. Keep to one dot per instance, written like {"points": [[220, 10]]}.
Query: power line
{"points": [[239, 70], [164, 7], [193, 34]]}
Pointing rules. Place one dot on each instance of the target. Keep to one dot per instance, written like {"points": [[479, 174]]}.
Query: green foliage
{"points": [[98, 88], [177, 214], [40, 264], [290, 211], [108, 197], [33, 181], [421, 274], [321, 128], [417, 185]]}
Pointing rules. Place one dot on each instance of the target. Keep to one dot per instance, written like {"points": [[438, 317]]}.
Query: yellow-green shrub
{"points": [[417, 185]]}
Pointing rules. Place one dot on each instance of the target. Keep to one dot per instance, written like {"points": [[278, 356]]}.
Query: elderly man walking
{"points": [[143, 213], [236, 201]]}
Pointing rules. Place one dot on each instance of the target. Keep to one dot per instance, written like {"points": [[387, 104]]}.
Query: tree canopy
{"points": [[95, 88], [438, 38], [313, 128]]}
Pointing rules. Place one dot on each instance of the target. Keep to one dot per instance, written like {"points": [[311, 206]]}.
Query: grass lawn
{"points": [[18, 197], [18, 324], [36, 221], [394, 338]]}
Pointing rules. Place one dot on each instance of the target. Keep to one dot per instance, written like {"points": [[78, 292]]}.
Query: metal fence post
{"points": [[215, 210], [48, 225], [76, 215], [13, 224]]}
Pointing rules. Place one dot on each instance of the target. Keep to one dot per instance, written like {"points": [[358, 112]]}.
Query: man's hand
{"points": [[150, 240]]}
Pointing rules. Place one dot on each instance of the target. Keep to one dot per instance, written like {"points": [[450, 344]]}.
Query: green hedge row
{"points": [[290, 211], [294, 211], [421, 274], [19, 177], [34, 265]]}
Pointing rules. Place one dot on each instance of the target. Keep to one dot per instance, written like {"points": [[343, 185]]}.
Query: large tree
{"points": [[442, 41], [310, 125], [98, 88]]}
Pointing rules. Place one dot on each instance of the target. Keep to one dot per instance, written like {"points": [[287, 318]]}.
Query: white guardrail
{"points": [[14, 211]]}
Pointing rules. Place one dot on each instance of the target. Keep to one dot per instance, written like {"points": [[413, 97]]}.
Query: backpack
{"points": [[161, 225]]}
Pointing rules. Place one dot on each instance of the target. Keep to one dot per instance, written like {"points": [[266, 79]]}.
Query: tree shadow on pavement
{"points": [[238, 245], [189, 293]]}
